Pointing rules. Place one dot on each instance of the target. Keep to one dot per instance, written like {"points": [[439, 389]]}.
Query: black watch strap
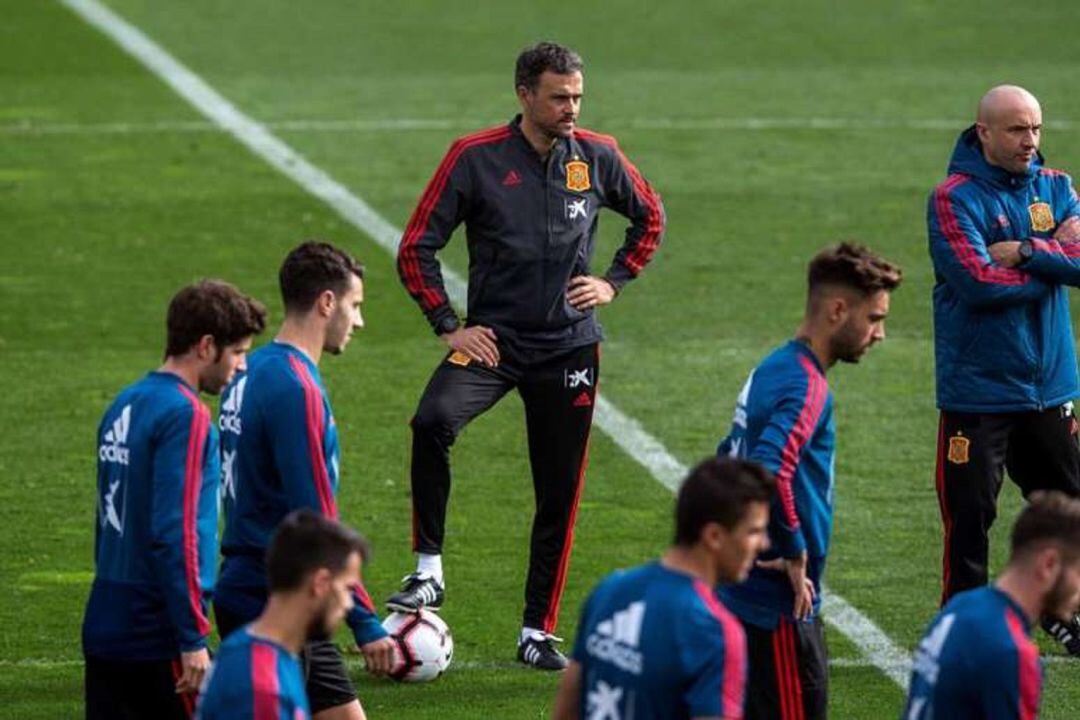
{"points": [[447, 325], [1025, 250]]}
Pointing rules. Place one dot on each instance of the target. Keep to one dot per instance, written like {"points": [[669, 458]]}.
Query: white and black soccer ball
{"points": [[424, 645]]}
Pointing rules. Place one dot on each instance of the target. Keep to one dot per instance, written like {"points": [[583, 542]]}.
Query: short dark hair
{"points": [[534, 61], [719, 490], [853, 266], [306, 541], [311, 269], [1051, 517], [215, 308]]}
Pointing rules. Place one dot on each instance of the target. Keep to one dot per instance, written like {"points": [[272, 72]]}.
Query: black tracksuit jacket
{"points": [[530, 226]]}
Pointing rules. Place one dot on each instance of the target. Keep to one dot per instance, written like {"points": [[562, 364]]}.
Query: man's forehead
{"points": [[555, 82]]}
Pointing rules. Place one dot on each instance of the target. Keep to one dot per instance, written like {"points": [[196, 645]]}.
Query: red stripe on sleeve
{"points": [[733, 688], [1030, 676], [961, 245], [800, 433], [316, 429], [1069, 249], [650, 239], [264, 683], [193, 465], [362, 597], [408, 258]]}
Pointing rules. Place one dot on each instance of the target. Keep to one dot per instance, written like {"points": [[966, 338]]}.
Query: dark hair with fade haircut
{"points": [[853, 266], [306, 541], [534, 61], [215, 308], [1051, 517], [312, 268], [719, 490]]}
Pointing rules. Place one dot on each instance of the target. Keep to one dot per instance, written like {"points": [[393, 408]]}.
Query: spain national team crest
{"points": [[959, 447], [459, 358], [577, 176], [1042, 217]]}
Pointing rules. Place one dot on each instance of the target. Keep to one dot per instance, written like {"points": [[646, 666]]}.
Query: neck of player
{"points": [[183, 368], [283, 622], [694, 561], [1024, 590], [540, 140], [818, 341], [303, 334]]}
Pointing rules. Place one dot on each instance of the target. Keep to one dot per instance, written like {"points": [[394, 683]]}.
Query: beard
{"points": [[1060, 602], [319, 629], [847, 344]]}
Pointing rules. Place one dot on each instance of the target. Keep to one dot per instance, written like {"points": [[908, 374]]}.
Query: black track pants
{"points": [[1040, 452], [559, 390]]}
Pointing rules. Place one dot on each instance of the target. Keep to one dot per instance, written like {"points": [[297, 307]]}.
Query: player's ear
{"points": [[206, 348], [712, 536], [321, 583], [326, 302]]}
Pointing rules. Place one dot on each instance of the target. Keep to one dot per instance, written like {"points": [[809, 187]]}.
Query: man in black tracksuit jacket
{"points": [[529, 194]]}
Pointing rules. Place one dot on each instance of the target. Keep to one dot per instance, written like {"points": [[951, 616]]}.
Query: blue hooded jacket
{"points": [[1003, 339]]}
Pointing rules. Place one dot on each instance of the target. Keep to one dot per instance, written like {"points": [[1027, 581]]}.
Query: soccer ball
{"points": [[424, 645]]}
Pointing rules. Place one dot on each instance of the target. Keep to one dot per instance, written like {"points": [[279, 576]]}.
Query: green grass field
{"points": [[114, 192]]}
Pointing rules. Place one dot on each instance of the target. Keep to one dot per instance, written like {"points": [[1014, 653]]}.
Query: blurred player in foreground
{"points": [[977, 659], [311, 566], [653, 641], [156, 542], [784, 420], [280, 453]]}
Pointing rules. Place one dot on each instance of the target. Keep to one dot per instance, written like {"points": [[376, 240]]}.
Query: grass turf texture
{"points": [[100, 229]]}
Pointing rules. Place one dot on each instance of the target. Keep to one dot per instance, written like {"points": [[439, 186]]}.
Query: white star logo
{"points": [[576, 208], [228, 475], [579, 377], [604, 702]]}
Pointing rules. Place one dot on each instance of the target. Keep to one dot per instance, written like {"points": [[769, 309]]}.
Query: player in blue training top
{"points": [[977, 660], [654, 642], [311, 566], [280, 453], [155, 542], [784, 420]]}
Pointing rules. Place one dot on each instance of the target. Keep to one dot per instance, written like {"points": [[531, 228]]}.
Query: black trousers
{"points": [[559, 390], [135, 690], [1040, 452], [788, 673]]}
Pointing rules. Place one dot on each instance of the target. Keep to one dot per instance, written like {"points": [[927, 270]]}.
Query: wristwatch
{"points": [[447, 325], [1025, 250]]}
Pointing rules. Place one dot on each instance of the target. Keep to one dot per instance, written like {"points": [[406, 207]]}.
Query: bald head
{"points": [[1001, 100], [1009, 127]]}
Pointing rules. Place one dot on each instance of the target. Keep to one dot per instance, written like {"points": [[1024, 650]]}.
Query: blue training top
{"points": [[155, 540], [656, 643], [253, 678], [784, 421], [977, 661], [279, 453]]}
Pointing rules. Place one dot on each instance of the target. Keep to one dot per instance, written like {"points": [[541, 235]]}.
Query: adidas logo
{"points": [[583, 400], [231, 406], [512, 178], [112, 448], [616, 639]]}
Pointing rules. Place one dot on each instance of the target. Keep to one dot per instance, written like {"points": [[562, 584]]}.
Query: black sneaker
{"points": [[417, 591], [538, 650], [1066, 633]]}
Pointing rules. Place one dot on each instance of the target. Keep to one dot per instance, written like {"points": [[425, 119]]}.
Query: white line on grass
{"points": [[315, 125], [624, 430]]}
